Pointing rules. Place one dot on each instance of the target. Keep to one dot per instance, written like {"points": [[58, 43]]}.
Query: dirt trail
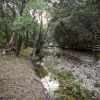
{"points": [[18, 81]]}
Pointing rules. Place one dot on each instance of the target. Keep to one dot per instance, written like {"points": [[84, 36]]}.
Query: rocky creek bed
{"points": [[86, 74]]}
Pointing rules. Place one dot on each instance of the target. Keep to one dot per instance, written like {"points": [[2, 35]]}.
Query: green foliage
{"points": [[65, 75], [6, 18], [40, 71], [2, 38], [68, 89], [38, 4], [76, 29], [88, 2], [61, 10], [26, 52], [26, 21]]}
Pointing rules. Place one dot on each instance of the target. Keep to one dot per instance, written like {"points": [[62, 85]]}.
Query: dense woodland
{"points": [[72, 24], [43, 24]]}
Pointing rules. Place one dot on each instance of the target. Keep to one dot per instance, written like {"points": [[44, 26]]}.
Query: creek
{"points": [[86, 74]]}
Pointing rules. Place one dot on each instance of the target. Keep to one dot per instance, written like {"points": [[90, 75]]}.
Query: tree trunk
{"points": [[26, 40], [6, 33], [18, 44], [12, 39], [33, 53], [22, 6]]}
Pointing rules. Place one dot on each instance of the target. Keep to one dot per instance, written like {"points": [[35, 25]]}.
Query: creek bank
{"points": [[61, 84], [81, 56], [47, 78], [87, 75]]}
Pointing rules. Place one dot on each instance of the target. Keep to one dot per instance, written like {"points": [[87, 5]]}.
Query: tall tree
{"points": [[31, 23]]}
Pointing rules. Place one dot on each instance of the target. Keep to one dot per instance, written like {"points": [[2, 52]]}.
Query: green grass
{"points": [[26, 52], [40, 71]]}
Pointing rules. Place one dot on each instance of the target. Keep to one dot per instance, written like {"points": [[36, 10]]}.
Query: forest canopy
{"points": [[73, 24], [77, 26]]}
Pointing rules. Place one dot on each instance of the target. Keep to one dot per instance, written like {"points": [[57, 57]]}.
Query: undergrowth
{"points": [[68, 89]]}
